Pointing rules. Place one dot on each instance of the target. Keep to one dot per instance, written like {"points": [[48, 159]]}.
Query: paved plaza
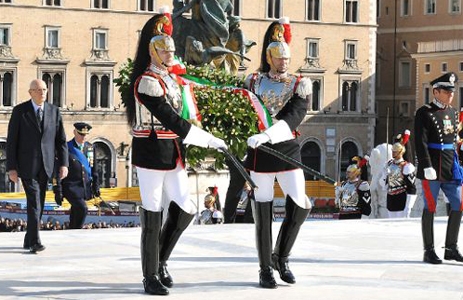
{"points": [[352, 259]]}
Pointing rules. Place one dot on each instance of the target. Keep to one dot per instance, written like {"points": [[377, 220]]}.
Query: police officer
{"points": [[436, 126], [82, 181]]}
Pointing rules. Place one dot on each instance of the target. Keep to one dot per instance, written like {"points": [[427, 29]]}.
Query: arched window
{"points": [[103, 161], [54, 81], [353, 96], [100, 85], [6, 186], [57, 83], [350, 95], [311, 157], [345, 96], [104, 91], [348, 150], [47, 79], [93, 90], [7, 89], [315, 95]]}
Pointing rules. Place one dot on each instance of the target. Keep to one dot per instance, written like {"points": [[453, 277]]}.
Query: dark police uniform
{"points": [[435, 139], [436, 125], [82, 183]]}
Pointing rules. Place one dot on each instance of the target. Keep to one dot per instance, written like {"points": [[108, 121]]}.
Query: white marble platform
{"points": [[358, 259]]}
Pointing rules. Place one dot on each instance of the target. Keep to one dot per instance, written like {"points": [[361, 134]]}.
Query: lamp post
{"points": [[395, 67]]}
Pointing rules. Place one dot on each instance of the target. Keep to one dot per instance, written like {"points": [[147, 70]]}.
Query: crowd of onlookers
{"points": [[17, 225]]}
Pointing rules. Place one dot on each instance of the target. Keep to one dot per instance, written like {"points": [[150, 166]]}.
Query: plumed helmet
{"points": [[401, 141], [398, 148], [353, 168], [278, 31], [278, 50], [359, 164], [209, 200], [161, 35]]}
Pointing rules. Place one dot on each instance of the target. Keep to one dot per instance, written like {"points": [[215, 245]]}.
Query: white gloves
{"points": [[430, 173], [256, 140], [216, 143], [198, 137]]}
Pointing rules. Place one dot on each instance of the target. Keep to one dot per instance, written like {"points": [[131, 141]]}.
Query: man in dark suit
{"points": [[35, 137], [81, 184]]}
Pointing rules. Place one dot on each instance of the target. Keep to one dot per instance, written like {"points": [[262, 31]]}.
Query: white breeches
{"points": [[291, 182], [171, 185]]}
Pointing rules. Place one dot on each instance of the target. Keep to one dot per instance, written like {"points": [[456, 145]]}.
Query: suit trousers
{"points": [[78, 213], [35, 189]]}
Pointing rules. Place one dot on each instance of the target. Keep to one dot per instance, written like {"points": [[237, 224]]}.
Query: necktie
{"points": [[39, 115]]}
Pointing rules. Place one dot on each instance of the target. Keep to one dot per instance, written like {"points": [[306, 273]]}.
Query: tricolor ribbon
{"points": [[264, 119]]}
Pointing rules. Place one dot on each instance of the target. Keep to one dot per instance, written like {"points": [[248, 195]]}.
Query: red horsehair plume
{"points": [[405, 137], [215, 191], [361, 162], [287, 27], [164, 25]]}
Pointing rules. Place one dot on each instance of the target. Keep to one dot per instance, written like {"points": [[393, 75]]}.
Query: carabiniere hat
{"points": [[82, 128], [445, 82]]}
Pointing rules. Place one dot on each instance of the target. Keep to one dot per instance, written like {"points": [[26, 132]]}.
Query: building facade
{"points": [[78, 47], [418, 41]]}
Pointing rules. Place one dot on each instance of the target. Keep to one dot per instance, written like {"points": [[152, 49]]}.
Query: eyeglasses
{"points": [[40, 90]]}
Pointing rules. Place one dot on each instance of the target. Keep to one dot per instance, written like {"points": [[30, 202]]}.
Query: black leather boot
{"points": [[150, 228], [448, 208], [177, 221], [295, 217], [427, 229], [263, 217], [451, 239]]}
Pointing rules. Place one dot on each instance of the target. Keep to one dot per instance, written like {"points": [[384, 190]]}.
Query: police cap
{"points": [[446, 82], [82, 128]]}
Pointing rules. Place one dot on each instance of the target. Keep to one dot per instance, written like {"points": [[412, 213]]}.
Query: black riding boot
{"points": [[263, 218], [427, 229], [177, 221], [448, 208], [295, 217], [150, 228], [451, 240]]}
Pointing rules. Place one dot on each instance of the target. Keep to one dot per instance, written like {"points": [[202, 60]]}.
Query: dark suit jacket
{"points": [[29, 146]]}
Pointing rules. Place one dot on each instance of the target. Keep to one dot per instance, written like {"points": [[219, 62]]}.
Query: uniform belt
{"points": [[441, 146], [160, 134], [349, 208]]}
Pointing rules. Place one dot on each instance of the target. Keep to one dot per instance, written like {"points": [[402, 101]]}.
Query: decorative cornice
{"points": [[312, 65], [6, 55], [350, 67], [100, 58], [52, 56]]}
